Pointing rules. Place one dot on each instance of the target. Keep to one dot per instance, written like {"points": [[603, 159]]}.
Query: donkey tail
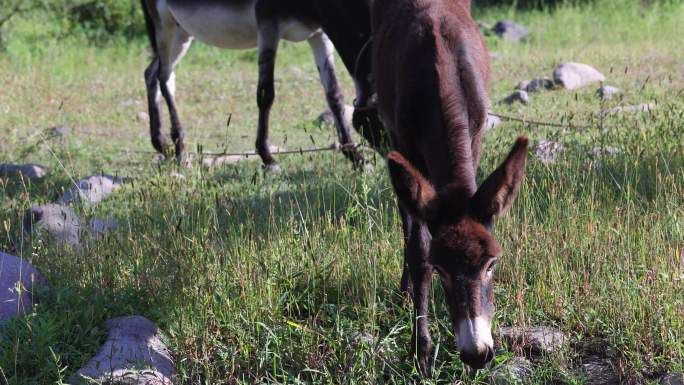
{"points": [[149, 23]]}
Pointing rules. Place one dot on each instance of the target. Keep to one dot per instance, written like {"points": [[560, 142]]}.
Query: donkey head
{"points": [[463, 250]]}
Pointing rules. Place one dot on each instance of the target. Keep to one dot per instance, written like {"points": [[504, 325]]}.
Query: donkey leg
{"points": [[421, 275], [171, 51], [324, 50], [154, 104], [405, 287], [268, 40]]}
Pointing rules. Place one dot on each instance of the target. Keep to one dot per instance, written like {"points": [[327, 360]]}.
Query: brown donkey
{"points": [[432, 77]]}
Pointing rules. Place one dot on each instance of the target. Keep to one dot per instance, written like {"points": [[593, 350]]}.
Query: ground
{"points": [[272, 279]]}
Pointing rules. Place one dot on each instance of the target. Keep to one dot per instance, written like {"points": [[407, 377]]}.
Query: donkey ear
{"points": [[414, 191], [499, 190]]}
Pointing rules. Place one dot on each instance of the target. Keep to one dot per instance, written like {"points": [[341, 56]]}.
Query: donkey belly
{"points": [[225, 24]]}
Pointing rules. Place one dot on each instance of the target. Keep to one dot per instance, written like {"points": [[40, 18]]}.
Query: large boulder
{"points": [[572, 76], [59, 223], [673, 379], [91, 190], [515, 371], [511, 31], [133, 354], [597, 371], [535, 340], [17, 280], [29, 170]]}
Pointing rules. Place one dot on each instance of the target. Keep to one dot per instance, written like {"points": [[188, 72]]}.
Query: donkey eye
{"points": [[491, 266]]}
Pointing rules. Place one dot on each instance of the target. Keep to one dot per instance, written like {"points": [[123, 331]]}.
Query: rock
{"points": [[576, 75], [547, 151], [606, 93], [132, 354], [536, 85], [60, 131], [177, 176], [632, 109], [597, 371], [598, 152], [362, 338], [673, 379], [17, 280], [535, 340], [492, 122], [60, 223], [517, 96], [515, 371], [143, 116], [511, 31], [91, 190], [328, 119], [98, 227], [217, 161], [29, 170]]}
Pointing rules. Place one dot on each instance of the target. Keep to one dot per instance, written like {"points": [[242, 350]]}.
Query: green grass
{"points": [[258, 279]]}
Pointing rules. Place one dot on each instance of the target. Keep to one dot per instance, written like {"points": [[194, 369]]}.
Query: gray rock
{"points": [[576, 75], [328, 119], [59, 223], [673, 379], [511, 31], [548, 151], [536, 85], [132, 354], [492, 122], [29, 170], [143, 116], [60, 131], [98, 227], [517, 97], [515, 371], [17, 280], [597, 371], [599, 152], [91, 190], [632, 109], [606, 93], [535, 340], [217, 161]]}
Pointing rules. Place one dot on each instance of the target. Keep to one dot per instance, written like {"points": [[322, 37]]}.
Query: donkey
{"points": [[241, 24], [432, 75]]}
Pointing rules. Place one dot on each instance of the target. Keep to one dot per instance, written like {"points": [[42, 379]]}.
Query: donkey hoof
{"points": [[272, 169]]}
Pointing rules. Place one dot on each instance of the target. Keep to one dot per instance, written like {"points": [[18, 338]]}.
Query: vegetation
{"points": [[273, 279]]}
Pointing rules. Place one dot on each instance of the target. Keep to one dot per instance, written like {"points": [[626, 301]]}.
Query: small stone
{"points": [[217, 161], [17, 280], [548, 151], [515, 371], [60, 131], [143, 116], [517, 97], [576, 75], [536, 85], [599, 372], [598, 152], [59, 223], [91, 190], [328, 119], [673, 379], [535, 340], [362, 338], [492, 122], [177, 176], [29, 170], [511, 31], [133, 354], [632, 109], [606, 93]]}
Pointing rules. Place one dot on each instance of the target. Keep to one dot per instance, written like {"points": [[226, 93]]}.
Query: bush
{"points": [[100, 19]]}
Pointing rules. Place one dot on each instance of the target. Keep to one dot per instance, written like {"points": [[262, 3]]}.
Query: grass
{"points": [[261, 279]]}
